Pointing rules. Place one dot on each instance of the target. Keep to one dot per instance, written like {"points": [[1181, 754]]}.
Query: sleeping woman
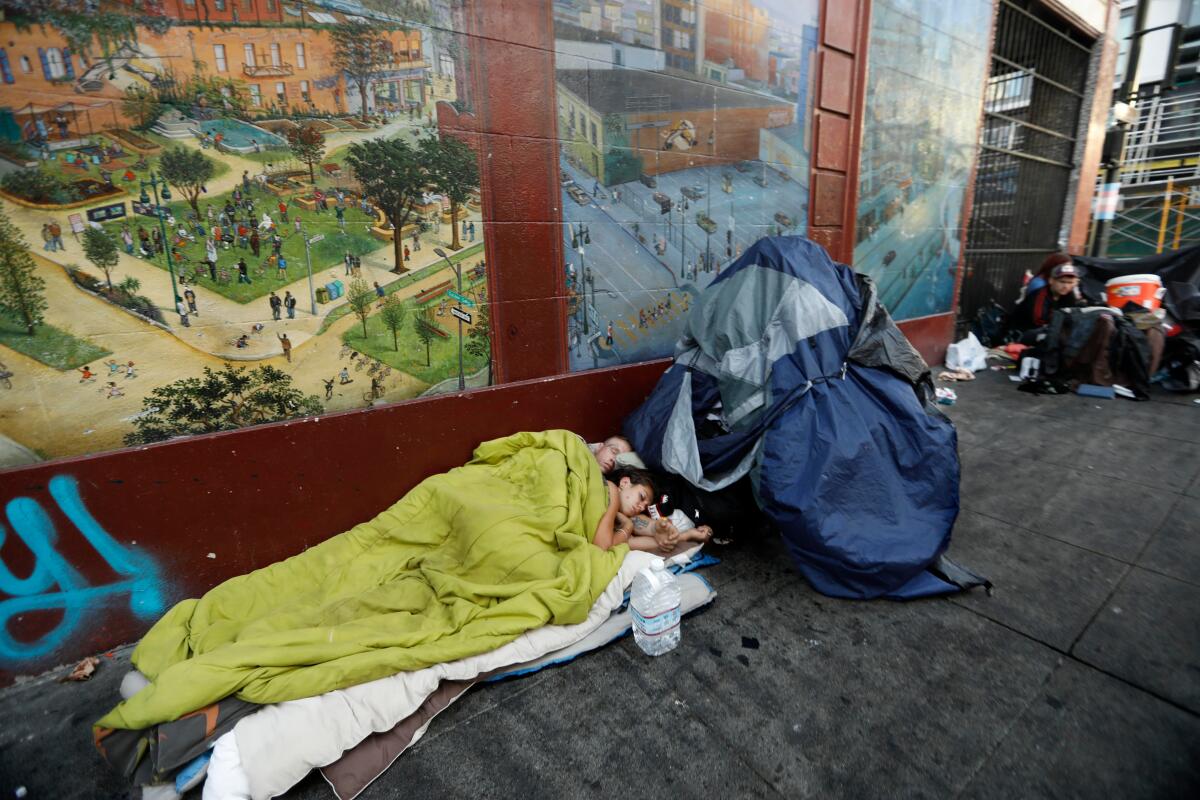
{"points": [[626, 522]]}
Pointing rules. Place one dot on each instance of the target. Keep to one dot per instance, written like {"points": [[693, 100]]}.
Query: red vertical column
{"points": [[511, 45], [840, 88]]}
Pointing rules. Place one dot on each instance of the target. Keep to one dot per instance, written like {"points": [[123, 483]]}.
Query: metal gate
{"points": [[1032, 105]]}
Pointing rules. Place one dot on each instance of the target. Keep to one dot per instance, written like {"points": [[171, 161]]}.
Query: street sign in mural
{"points": [[266, 194]]}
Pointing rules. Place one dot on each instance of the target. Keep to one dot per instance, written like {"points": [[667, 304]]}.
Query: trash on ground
{"points": [[1092, 390], [967, 354], [946, 397], [83, 670], [960, 374], [1011, 351]]}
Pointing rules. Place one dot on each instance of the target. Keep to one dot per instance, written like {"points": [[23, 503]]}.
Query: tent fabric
{"points": [[826, 406]]}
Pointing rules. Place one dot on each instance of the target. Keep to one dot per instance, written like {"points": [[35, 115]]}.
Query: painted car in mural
{"points": [[210, 221], [685, 132]]}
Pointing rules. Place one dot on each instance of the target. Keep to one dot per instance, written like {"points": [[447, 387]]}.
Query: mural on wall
{"points": [[215, 220], [55, 587], [685, 132], [928, 62]]}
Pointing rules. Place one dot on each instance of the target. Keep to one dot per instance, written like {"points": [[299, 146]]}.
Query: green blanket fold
{"points": [[464, 563]]}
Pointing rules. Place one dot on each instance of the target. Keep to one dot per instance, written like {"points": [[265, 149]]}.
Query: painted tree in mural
{"points": [[425, 333], [453, 171], [392, 175], [360, 50], [360, 297], [220, 400], [188, 171], [21, 288], [479, 340], [101, 250], [393, 315], [141, 104], [308, 146]]}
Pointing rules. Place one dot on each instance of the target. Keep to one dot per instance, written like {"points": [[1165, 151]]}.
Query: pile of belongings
{"points": [[1180, 274], [791, 375], [340, 656]]}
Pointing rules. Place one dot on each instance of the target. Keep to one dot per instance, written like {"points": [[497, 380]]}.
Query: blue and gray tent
{"points": [[798, 378]]}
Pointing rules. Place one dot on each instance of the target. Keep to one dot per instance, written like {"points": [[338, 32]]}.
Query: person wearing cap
{"points": [[1038, 306]]}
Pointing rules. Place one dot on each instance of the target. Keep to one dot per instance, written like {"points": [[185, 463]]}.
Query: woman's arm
{"points": [[653, 536], [604, 538]]}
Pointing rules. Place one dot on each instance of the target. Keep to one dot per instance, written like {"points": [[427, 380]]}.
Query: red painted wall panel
{"points": [[258, 495]]}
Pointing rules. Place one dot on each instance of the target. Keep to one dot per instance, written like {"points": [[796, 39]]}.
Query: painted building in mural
{"points": [[671, 169], [197, 194]]}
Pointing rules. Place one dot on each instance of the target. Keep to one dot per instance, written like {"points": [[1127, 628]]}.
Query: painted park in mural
{"points": [[216, 213], [685, 131]]}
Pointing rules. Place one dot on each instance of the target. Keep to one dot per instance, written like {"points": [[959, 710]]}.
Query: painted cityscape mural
{"points": [[217, 213], [928, 61], [685, 132]]}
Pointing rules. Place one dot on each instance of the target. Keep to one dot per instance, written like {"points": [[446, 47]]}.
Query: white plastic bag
{"points": [[967, 354]]}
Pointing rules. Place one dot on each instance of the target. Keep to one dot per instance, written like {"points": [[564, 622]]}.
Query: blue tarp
{"points": [[814, 393]]}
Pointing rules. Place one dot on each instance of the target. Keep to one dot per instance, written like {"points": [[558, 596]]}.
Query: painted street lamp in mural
{"points": [[161, 212], [462, 383], [579, 237], [589, 281]]}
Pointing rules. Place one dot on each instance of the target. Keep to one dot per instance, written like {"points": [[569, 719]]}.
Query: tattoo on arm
{"points": [[641, 522]]}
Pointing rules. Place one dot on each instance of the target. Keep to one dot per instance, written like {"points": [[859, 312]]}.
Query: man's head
{"points": [[606, 452], [1064, 279], [635, 489]]}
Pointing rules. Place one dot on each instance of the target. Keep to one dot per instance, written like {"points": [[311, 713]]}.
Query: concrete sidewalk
{"points": [[1078, 677]]}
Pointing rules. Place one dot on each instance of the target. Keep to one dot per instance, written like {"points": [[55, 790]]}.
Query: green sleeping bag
{"points": [[464, 563]]}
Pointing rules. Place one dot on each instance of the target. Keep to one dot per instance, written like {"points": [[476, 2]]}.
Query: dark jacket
{"points": [[1039, 306]]}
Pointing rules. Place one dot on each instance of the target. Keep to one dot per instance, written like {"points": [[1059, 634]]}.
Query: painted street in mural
{"points": [[203, 215], [685, 131], [924, 100], [53, 585]]}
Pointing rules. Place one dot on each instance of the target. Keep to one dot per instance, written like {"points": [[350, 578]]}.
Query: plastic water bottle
{"points": [[654, 603]]}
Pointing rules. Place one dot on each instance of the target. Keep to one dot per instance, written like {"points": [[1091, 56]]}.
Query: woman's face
{"points": [[634, 498], [1064, 285]]}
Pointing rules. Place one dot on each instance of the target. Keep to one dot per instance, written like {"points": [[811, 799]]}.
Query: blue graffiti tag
{"points": [[74, 597]]}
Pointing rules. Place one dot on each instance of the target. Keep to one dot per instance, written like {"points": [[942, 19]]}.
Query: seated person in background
{"points": [[1039, 304]]}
